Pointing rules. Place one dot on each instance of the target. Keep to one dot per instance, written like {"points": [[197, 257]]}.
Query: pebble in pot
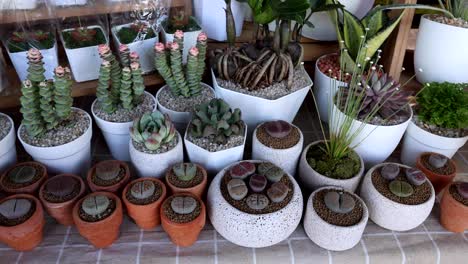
{"points": [[25, 177], [108, 176], [439, 169], [454, 207], [187, 177]]}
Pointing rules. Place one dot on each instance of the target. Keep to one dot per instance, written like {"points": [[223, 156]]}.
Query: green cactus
{"points": [[153, 130], [46, 104], [185, 172]]}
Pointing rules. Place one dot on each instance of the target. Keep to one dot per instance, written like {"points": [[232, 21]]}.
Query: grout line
{"points": [[19, 257], [330, 258], [403, 255], [99, 256], [139, 247], [177, 255], [63, 245], [291, 252], [215, 238], [364, 248], [254, 256], [434, 243]]}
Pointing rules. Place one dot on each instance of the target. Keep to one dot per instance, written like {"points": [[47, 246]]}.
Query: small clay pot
{"points": [[25, 236], [29, 189], [439, 181], [145, 216], [104, 232], [184, 234], [115, 188], [197, 190], [62, 212], [453, 214]]}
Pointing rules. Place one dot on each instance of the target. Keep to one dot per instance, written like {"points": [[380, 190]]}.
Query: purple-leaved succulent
{"points": [[107, 170], [437, 160], [415, 176], [277, 192], [237, 189], [390, 171], [257, 201], [278, 129], [242, 170], [257, 182], [462, 189], [61, 186]]}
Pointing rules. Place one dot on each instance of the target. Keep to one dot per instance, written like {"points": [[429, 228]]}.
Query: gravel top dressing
{"points": [[50, 197], [338, 219], [153, 198], [122, 115], [164, 148], [278, 143], [13, 185], [454, 192], [180, 218], [457, 22], [182, 104], [444, 132], [5, 126], [447, 169], [186, 184], [210, 144]]}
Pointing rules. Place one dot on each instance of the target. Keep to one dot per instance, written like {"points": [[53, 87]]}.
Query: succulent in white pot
{"points": [[398, 197], [278, 142], [335, 219], [7, 142], [254, 204]]}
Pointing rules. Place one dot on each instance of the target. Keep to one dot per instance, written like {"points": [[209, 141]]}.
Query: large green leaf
{"points": [[405, 6], [353, 33], [374, 22], [289, 7]]}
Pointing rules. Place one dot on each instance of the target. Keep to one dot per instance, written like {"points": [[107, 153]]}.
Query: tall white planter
{"points": [[20, 62], [73, 157], [190, 40], [441, 53], [68, 2], [252, 230], [418, 140], [211, 15], [18, 4], [8, 147], [144, 48]]}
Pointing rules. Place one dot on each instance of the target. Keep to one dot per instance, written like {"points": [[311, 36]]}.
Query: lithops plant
{"points": [[15, 208], [437, 161], [242, 170], [270, 171], [143, 189], [390, 171], [153, 130], [183, 204], [278, 129], [462, 189], [237, 189], [339, 202], [61, 186], [107, 170], [185, 171], [277, 192], [415, 176], [401, 189], [257, 201], [257, 182], [96, 205], [22, 174]]}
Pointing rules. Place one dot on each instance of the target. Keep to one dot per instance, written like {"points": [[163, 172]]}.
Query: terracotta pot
{"points": [[116, 188], [62, 212], [439, 181], [184, 234], [145, 216], [453, 214], [28, 235], [30, 189], [101, 233], [197, 190]]}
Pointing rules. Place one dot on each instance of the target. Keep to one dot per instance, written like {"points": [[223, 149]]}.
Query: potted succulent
{"points": [[335, 219], [216, 135], [187, 178], [155, 144], [26, 177], [183, 216], [98, 217], [440, 123], [140, 37], [59, 194], [143, 199], [21, 222], [278, 142], [454, 207], [81, 47], [447, 31], [108, 176], [398, 197], [53, 132], [7, 142], [184, 89], [439, 169], [254, 204]]}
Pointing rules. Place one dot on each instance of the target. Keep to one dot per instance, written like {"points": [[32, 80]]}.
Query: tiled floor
{"points": [[429, 243]]}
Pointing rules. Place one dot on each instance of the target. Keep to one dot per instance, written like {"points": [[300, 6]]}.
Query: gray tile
{"points": [[229, 253], [119, 254], [79, 255], [158, 254], [305, 250]]}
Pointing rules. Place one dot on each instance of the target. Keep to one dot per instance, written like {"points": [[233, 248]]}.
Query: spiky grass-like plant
{"points": [[458, 8]]}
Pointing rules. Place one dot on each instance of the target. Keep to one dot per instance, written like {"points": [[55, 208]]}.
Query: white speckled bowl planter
{"points": [[333, 237], [155, 165], [313, 180], [8, 147], [250, 230], [389, 214], [284, 158]]}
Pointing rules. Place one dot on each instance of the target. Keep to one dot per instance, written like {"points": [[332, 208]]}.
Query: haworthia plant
{"points": [[437, 160], [15, 208], [237, 189], [278, 192], [278, 129], [401, 188], [242, 170], [22, 174], [61, 186], [257, 201], [183, 204], [143, 189], [339, 202], [270, 171], [257, 182], [390, 171], [153, 130], [185, 172], [108, 170], [415, 176], [95, 205]]}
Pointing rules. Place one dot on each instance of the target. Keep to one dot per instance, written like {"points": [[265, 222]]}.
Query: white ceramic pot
{"points": [[333, 237], [213, 161], [248, 13], [8, 147], [20, 62], [389, 214], [155, 165], [313, 180], [252, 230], [18, 4], [144, 48], [84, 62], [284, 158], [256, 110], [73, 157], [69, 2], [190, 40], [441, 53], [116, 134], [418, 140], [211, 15]]}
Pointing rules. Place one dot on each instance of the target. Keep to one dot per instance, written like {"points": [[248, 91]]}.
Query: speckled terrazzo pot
{"points": [[333, 237], [313, 180], [250, 230], [389, 214], [285, 158]]}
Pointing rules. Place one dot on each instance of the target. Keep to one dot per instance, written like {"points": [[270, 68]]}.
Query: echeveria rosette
{"points": [[153, 130]]}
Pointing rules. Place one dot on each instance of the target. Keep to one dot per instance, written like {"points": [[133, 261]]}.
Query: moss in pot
{"points": [[187, 177], [128, 34], [24, 177], [81, 37], [22, 41], [108, 175]]}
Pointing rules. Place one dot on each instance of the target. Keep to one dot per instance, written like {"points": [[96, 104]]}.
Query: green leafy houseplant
{"points": [[83, 37], [135, 32], [23, 41]]}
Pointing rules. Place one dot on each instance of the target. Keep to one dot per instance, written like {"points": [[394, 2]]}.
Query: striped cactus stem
{"points": [[138, 82], [178, 69], [47, 104], [202, 44], [126, 88], [162, 65], [102, 92], [62, 92], [192, 72], [115, 72], [30, 108]]}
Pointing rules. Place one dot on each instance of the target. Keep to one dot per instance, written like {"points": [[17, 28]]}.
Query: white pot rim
{"points": [[115, 28], [8, 142], [317, 70], [165, 18], [94, 26], [12, 128], [165, 109], [51, 48], [454, 28], [301, 136], [172, 150], [438, 137]]}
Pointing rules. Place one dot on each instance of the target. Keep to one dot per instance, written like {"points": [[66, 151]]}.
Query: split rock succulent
{"points": [[257, 201], [95, 205], [278, 192], [278, 129], [462, 189], [257, 182], [183, 204], [143, 189], [271, 171], [437, 161], [15, 208], [242, 170], [237, 189], [415, 176], [22, 174], [185, 172], [61, 186], [401, 189], [339, 202], [107, 170], [390, 171]]}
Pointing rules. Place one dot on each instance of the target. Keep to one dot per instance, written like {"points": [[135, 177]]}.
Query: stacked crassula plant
{"points": [[183, 80], [153, 130], [44, 103]]}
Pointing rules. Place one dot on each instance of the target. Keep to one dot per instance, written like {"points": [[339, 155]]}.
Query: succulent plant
{"points": [[462, 189], [401, 188], [185, 172], [237, 189], [95, 205], [142, 189], [108, 170], [278, 129], [242, 170], [183, 81], [61, 186], [216, 119], [437, 160], [153, 130], [415, 176], [278, 192], [257, 182], [22, 174], [257, 201], [339, 202], [183, 204], [15, 208], [270, 171], [390, 171]]}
